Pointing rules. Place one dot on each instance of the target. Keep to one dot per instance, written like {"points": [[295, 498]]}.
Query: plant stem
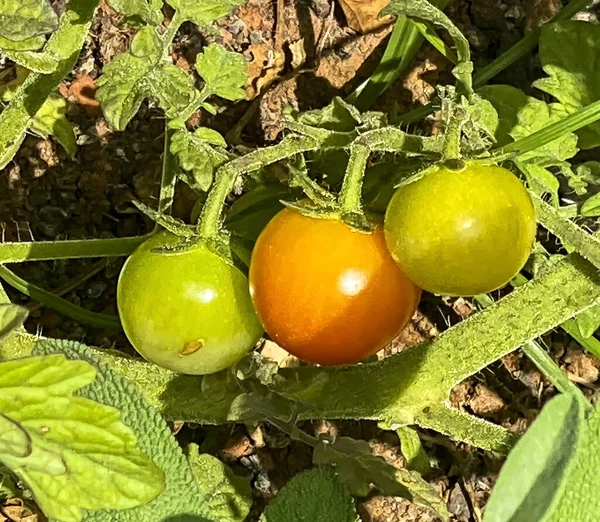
{"points": [[351, 193], [59, 304], [72, 249], [226, 176], [541, 359], [168, 178], [571, 123], [171, 31]]}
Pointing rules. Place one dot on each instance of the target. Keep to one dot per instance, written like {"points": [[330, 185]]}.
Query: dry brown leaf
{"points": [[264, 68], [14, 510], [362, 15], [298, 53], [83, 92]]}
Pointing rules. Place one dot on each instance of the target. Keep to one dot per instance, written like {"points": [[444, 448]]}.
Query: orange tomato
{"points": [[327, 293]]}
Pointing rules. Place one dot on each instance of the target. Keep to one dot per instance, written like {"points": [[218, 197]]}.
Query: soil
{"points": [[300, 54]]}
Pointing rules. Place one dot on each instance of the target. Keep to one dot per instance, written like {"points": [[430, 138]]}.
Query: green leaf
{"points": [[316, 496], [228, 496], [81, 456], [203, 12], [568, 52], [138, 74], [359, 468], [64, 45], [412, 449], [578, 500], [541, 181], [24, 19], [40, 62], [338, 116], [197, 157], [224, 72], [534, 472], [14, 440], [51, 120], [148, 10], [587, 322], [29, 44], [521, 115], [591, 206], [11, 317], [181, 496]]}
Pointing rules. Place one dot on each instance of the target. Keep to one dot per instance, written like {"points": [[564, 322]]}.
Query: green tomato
{"points": [[461, 232], [188, 310]]}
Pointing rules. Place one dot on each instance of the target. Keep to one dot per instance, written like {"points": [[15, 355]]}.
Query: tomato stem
{"points": [[169, 34], [451, 115], [351, 194], [225, 178]]}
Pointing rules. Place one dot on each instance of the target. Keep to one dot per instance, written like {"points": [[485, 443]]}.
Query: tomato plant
{"points": [[325, 292], [186, 310], [463, 231]]}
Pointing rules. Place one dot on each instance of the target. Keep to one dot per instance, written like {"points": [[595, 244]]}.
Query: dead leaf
{"points": [[14, 510], [83, 92], [298, 53], [263, 69], [362, 15]]}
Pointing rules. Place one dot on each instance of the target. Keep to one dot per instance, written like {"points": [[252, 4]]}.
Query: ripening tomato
{"points": [[325, 292], [461, 232], [188, 310]]}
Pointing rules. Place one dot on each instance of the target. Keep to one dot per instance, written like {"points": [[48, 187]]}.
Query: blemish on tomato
{"points": [[191, 347]]}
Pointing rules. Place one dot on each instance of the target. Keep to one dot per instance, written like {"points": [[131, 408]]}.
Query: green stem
{"points": [[571, 123], [541, 359], [451, 147], [226, 176], [351, 193], [169, 175], [108, 322], [73, 249], [171, 31]]}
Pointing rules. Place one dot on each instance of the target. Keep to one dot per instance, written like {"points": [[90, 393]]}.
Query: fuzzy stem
{"points": [[351, 194], [171, 31], [226, 176]]}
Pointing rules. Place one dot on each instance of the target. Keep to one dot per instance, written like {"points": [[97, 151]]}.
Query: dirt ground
{"points": [[300, 53]]}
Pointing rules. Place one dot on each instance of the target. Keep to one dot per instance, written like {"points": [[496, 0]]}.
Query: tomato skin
{"points": [[326, 293], [193, 299], [461, 232]]}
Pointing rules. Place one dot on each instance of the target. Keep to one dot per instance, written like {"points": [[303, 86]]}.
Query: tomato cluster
{"points": [[324, 291]]}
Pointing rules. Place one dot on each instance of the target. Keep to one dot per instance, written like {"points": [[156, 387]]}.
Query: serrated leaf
{"points": [[51, 120], [197, 157], [81, 455], [148, 10], [228, 496], [338, 116], [359, 468], [224, 72], [181, 497], [317, 495], [204, 12], [541, 181], [11, 317], [534, 472], [568, 52], [40, 62], [24, 19], [138, 74], [591, 206]]}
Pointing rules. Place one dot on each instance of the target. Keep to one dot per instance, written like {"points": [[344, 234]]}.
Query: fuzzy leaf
{"points": [[317, 495], [337, 116], [80, 454], [228, 496], [51, 120], [359, 468], [40, 62], [138, 74], [29, 44], [533, 474], [197, 157], [147, 10], [24, 19], [224, 72], [204, 12], [11, 317], [541, 181], [569, 52], [412, 449], [587, 322]]}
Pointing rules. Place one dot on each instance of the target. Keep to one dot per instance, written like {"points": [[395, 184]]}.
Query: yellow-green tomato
{"points": [[188, 311], [461, 232]]}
